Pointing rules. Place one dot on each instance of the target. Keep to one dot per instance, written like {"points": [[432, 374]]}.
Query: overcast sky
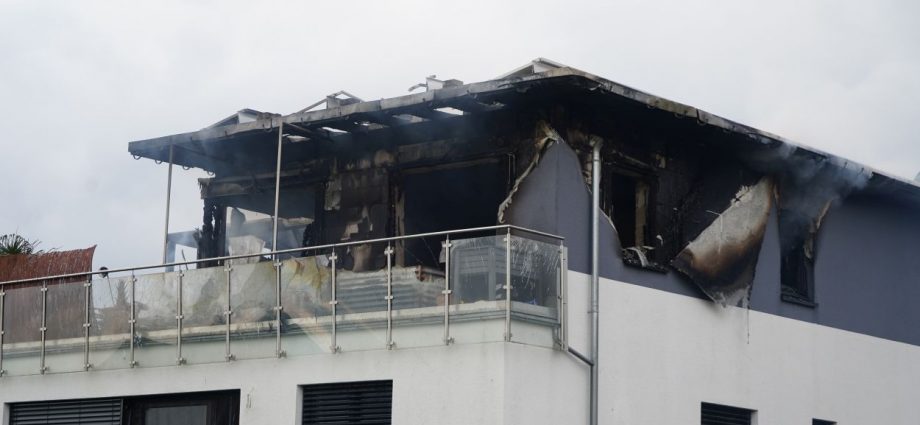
{"points": [[79, 80]]}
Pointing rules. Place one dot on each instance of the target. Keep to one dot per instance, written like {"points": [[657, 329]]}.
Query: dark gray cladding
{"points": [[808, 187], [553, 198], [865, 277]]}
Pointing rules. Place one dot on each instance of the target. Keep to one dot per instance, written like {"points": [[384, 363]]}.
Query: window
{"points": [[716, 414], [822, 422], [355, 403], [211, 408], [797, 258], [76, 412], [628, 198]]}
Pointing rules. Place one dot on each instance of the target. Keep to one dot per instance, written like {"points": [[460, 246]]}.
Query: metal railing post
{"points": [[334, 347], [87, 293], [2, 330], [132, 321], [389, 298], [42, 368], [278, 351], [446, 292], [228, 355], [561, 299], [179, 359], [508, 285]]}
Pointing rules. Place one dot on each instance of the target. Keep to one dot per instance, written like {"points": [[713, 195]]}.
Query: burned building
{"points": [[597, 243]]}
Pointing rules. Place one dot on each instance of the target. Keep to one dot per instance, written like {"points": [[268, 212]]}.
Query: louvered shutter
{"points": [[714, 414], [67, 412], [352, 403]]}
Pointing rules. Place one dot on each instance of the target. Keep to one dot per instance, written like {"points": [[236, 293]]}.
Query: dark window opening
{"points": [[356, 403], [454, 197], [822, 422], [797, 276], [797, 272], [208, 408], [627, 197], [717, 414]]}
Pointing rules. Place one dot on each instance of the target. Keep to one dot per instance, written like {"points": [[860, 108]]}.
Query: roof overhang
{"points": [[398, 119]]}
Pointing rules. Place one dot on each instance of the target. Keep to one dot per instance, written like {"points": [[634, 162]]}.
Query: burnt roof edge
{"points": [[435, 98]]}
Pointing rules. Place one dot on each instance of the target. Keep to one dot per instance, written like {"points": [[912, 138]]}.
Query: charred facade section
{"points": [[684, 192]]}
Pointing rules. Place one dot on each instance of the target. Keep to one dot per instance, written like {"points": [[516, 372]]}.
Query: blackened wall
{"points": [[867, 269]]}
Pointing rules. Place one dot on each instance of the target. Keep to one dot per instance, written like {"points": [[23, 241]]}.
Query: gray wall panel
{"points": [[867, 270]]}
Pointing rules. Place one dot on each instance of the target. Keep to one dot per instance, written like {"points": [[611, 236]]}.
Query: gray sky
{"points": [[79, 80]]}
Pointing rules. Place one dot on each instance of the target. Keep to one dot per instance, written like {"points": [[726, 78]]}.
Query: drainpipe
{"points": [[595, 287]]}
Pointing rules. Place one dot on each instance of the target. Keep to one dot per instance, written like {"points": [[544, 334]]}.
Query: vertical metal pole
{"points": [[2, 329], [334, 303], [278, 351], [87, 293], [44, 328], [446, 244], [595, 278], [227, 315], [277, 189], [508, 285], [389, 298], [132, 322], [168, 196], [179, 359]]}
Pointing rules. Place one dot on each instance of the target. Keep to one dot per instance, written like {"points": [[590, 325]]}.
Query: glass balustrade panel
{"points": [[418, 292], [22, 320], [110, 327], [204, 322], [66, 313], [252, 298], [306, 289], [361, 291], [534, 282], [477, 280], [156, 308]]}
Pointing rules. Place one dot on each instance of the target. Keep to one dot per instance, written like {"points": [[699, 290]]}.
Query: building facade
{"points": [[545, 247]]}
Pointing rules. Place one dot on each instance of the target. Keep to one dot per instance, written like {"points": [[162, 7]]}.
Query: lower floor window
{"points": [[354, 403], [210, 408], [717, 414]]}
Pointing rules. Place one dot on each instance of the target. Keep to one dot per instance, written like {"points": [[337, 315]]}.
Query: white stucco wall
{"points": [[663, 353], [480, 379], [460, 384]]}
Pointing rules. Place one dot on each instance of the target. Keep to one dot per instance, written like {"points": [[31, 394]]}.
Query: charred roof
{"points": [[244, 146]]}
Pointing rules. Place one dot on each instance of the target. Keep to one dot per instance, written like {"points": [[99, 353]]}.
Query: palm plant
{"points": [[13, 244]]}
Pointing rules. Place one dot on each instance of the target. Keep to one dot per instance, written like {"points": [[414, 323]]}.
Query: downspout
{"points": [[595, 277]]}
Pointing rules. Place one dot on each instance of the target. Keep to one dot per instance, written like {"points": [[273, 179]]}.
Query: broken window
{"points": [[797, 260], [627, 198], [457, 196]]}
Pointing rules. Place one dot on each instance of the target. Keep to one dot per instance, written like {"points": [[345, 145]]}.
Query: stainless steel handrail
{"points": [[508, 227], [447, 339]]}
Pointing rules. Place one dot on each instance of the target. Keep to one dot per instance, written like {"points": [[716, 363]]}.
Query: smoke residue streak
{"points": [[808, 187]]}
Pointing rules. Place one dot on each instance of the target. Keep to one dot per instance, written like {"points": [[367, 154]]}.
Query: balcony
{"points": [[498, 283]]}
